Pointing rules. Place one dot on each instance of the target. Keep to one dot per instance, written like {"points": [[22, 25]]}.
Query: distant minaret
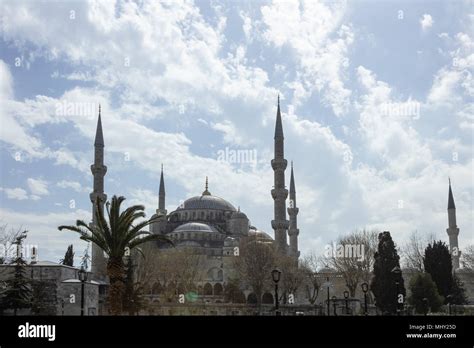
{"points": [[98, 169], [453, 230], [161, 195], [293, 230], [279, 193]]}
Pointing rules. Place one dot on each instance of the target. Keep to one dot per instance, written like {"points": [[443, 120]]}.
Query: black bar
{"points": [[365, 330]]}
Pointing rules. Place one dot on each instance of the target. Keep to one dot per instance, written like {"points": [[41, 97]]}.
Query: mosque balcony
{"points": [[279, 164], [279, 193], [280, 224]]}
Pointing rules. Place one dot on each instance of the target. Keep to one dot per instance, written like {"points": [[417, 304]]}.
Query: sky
{"points": [[376, 100]]}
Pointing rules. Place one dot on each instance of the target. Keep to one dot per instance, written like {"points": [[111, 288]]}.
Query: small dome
{"points": [[195, 227], [327, 270], [253, 232], [229, 241], [238, 215]]}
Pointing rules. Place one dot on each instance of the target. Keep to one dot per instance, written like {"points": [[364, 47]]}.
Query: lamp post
{"points": [[365, 288], [276, 274], [396, 271], [425, 305], [334, 298], [449, 298], [327, 285], [83, 278], [346, 296]]}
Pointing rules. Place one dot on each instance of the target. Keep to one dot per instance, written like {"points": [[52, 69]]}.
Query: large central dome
{"points": [[206, 202]]}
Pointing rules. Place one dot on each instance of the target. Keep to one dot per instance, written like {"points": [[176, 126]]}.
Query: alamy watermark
{"points": [[67, 108], [10, 251], [351, 251], [237, 156], [402, 109]]}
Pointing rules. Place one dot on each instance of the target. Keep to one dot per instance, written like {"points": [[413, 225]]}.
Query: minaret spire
{"points": [[161, 195], [453, 230], [98, 169], [293, 210], [206, 191], [99, 136], [451, 204], [279, 193]]}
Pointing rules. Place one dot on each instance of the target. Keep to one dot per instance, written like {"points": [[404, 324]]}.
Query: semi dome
{"points": [[253, 232], [195, 227], [206, 202], [238, 215]]}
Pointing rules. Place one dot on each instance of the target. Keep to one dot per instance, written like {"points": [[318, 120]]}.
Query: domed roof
{"points": [[238, 215], [206, 202], [259, 234], [195, 227]]}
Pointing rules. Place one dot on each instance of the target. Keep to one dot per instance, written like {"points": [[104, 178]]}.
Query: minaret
{"points": [[98, 169], [279, 192], [293, 230], [453, 230], [161, 195]]}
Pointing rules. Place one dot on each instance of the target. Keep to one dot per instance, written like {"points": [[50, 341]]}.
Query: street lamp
{"points": [[425, 305], [334, 298], [276, 274], [346, 296], [327, 284], [83, 278], [449, 298], [365, 288], [396, 271]]}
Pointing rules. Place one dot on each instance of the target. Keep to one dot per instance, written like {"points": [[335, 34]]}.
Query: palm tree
{"points": [[114, 238]]}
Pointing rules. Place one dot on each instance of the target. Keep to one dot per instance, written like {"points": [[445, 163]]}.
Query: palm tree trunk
{"points": [[116, 273]]}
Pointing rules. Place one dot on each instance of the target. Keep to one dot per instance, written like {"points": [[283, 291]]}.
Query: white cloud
{"points": [[426, 21], [6, 82], [230, 133], [15, 193], [443, 89], [38, 187], [73, 185], [320, 42]]}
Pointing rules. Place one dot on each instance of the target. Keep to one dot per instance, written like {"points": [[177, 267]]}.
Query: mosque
{"points": [[210, 225]]}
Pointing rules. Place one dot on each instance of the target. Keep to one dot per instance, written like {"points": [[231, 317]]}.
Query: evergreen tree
{"points": [[68, 257], [384, 282], [44, 297], [458, 293], [438, 264], [422, 286], [17, 294]]}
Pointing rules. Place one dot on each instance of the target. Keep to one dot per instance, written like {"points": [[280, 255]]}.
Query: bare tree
{"points": [[467, 257], [8, 237], [309, 267], [175, 271], [292, 276], [254, 265], [353, 257], [413, 251]]}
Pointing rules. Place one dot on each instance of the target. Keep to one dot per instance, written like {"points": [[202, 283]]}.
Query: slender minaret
{"points": [[293, 230], [279, 192], [161, 195], [453, 230], [98, 169]]}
